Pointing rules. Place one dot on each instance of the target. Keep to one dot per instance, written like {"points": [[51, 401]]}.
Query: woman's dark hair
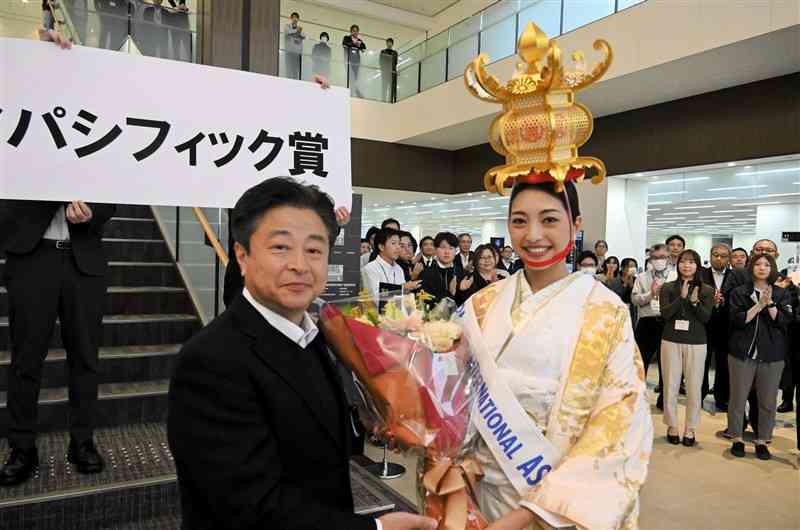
{"points": [[694, 256], [550, 189], [624, 263], [390, 221], [275, 193], [587, 254], [390, 40], [604, 270], [448, 237], [476, 257], [674, 237], [381, 238], [324, 34], [373, 230], [364, 240], [295, 14], [355, 26], [773, 272], [403, 234]]}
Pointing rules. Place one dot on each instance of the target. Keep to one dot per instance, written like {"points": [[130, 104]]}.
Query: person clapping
{"points": [[484, 273]]}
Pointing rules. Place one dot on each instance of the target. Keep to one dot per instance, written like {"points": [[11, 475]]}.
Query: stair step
{"points": [[137, 484], [165, 522], [133, 211], [136, 249], [132, 227], [128, 330], [117, 364], [135, 273], [117, 404]]}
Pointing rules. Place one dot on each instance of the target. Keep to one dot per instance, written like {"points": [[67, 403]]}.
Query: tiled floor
{"points": [[704, 487]]}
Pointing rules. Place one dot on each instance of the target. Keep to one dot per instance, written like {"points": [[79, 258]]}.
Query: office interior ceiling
{"points": [[428, 8], [718, 199]]}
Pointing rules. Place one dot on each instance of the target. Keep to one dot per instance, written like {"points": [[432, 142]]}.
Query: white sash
{"points": [[520, 448]]}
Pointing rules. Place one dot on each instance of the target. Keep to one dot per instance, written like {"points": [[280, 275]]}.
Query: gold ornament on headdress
{"points": [[541, 126]]}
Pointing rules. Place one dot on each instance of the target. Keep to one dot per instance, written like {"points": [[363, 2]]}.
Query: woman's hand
{"points": [[452, 286], [518, 519], [685, 289], [54, 36], [766, 297], [466, 283], [412, 285], [695, 298]]}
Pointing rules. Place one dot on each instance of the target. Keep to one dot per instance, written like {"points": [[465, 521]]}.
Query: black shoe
{"points": [[737, 449], [682, 390], [657, 390], [19, 466], [762, 453], [674, 439], [721, 407], [85, 457], [660, 402], [786, 406], [688, 442]]}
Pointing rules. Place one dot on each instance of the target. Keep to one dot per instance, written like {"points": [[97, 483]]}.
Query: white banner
{"points": [[105, 126]]}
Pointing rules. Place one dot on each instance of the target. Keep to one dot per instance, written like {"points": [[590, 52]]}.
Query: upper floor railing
{"points": [[442, 57]]}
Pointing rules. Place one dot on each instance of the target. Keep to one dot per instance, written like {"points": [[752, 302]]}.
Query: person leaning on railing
{"points": [[760, 314]]}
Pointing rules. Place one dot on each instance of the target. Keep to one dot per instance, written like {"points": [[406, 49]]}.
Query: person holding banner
{"points": [[55, 269], [564, 433]]}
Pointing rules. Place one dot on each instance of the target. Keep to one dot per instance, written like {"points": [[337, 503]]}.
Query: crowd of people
{"points": [[735, 311], [353, 46]]}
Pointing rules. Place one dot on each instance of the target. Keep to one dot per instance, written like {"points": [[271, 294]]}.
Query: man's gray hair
{"points": [[721, 245]]}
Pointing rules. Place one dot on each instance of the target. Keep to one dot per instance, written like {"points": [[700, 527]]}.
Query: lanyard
{"points": [[385, 275]]}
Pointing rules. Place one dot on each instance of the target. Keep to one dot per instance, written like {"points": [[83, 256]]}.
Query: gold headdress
{"points": [[541, 126]]}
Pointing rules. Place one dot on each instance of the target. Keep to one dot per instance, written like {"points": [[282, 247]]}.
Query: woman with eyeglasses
{"points": [[484, 266], [760, 314]]}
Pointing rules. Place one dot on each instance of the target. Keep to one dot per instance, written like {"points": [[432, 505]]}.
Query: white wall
{"points": [[773, 219], [593, 202], [626, 225], [492, 229]]}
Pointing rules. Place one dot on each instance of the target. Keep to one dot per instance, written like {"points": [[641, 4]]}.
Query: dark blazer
{"points": [[478, 283], [23, 223], [673, 308], [768, 335], [436, 282], [256, 440], [352, 51], [460, 270]]}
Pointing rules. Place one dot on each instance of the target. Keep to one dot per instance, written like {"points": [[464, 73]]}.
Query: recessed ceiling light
{"points": [[465, 202], [748, 187], [659, 194], [770, 195], [769, 171], [731, 164], [654, 209], [640, 174], [748, 167], [655, 203], [673, 181], [696, 207], [728, 198], [755, 203]]}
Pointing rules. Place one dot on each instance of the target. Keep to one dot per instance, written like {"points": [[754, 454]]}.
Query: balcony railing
{"points": [[443, 57]]}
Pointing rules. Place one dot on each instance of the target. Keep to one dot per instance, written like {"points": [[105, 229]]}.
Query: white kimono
{"points": [[568, 356]]}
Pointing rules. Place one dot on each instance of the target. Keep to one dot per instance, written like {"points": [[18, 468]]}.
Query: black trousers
{"points": [[648, 338], [788, 381], [43, 286], [719, 345]]}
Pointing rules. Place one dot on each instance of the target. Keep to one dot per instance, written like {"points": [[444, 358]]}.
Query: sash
{"points": [[520, 448]]}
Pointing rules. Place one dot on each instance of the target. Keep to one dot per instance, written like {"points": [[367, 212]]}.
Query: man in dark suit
{"points": [[507, 261], [463, 260], [717, 328], [55, 268], [258, 422]]}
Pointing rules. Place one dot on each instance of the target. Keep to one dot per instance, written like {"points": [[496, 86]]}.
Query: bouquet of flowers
{"points": [[416, 368]]}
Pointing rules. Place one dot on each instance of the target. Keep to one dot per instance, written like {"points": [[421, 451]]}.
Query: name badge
{"points": [[655, 305], [681, 325]]}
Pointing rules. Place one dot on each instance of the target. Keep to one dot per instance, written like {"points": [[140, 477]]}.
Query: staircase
{"points": [[149, 314]]}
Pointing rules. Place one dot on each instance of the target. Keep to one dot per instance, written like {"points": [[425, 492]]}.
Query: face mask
{"points": [[324, 39], [588, 270], [659, 264]]}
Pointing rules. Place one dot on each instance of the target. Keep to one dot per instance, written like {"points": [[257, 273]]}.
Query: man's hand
{"points": [[466, 283], [54, 36], [718, 298], [655, 288], [78, 212], [321, 81], [418, 268], [342, 216], [407, 521], [412, 285], [783, 283]]}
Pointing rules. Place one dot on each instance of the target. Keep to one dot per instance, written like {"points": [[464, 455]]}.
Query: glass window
{"points": [[546, 14], [407, 81], [436, 44], [459, 55], [500, 11], [499, 41], [625, 4], [433, 70], [578, 13], [465, 28]]}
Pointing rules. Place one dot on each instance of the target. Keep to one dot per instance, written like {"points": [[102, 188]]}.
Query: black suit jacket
{"points": [[719, 324], [460, 270], [23, 223], [253, 446]]}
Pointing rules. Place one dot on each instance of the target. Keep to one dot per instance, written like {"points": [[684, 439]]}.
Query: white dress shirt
{"points": [[301, 335], [719, 277], [379, 270], [58, 229]]}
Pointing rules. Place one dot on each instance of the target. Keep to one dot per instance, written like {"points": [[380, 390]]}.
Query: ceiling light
{"points": [[654, 209], [464, 202], [677, 214], [755, 203], [729, 211], [695, 207], [778, 195], [673, 181], [404, 207], [499, 199], [731, 164], [713, 199], [665, 193], [769, 171], [656, 203], [435, 204], [748, 187], [448, 211], [482, 208]]}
